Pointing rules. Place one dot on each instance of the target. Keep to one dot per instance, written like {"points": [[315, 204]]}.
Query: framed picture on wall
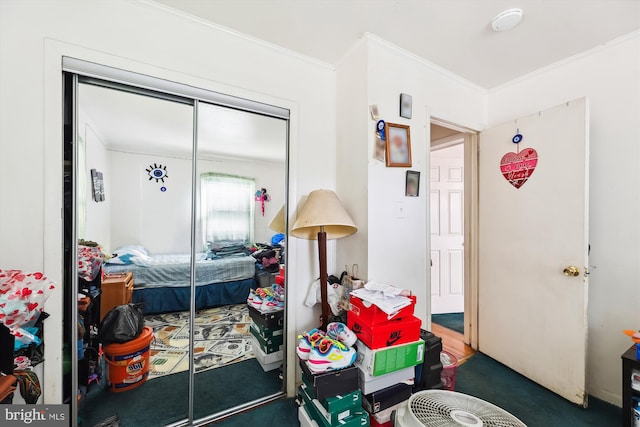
{"points": [[97, 185], [405, 105], [398, 145], [412, 184]]}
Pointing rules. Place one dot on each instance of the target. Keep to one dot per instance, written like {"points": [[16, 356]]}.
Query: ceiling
{"points": [[453, 34], [141, 124]]}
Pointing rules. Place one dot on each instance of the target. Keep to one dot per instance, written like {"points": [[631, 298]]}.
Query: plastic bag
{"points": [[123, 323]]}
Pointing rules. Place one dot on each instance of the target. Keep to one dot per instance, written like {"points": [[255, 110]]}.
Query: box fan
{"points": [[442, 408]]}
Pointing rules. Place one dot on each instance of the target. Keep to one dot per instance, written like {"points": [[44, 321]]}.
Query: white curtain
{"points": [[227, 209]]}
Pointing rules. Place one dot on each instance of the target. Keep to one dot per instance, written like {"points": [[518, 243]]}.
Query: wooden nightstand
{"points": [[116, 290]]}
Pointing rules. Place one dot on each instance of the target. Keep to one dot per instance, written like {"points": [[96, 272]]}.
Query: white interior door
{"points": [[532, 317], [447, 230]]}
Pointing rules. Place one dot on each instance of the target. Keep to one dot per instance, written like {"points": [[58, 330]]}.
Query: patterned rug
{"points": [[221, 337]]}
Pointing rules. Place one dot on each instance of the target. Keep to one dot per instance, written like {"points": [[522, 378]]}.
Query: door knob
{"points": [[571, 271]]}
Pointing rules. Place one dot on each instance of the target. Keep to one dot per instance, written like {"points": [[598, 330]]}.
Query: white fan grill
{"points": [[439, 408]]}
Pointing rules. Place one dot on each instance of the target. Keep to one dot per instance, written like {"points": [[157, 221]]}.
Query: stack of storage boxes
{"points": [[267, 330], [331, 399], [389, 348]]}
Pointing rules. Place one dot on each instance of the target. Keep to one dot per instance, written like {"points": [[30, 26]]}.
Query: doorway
{"points": [[452, 198], [447, 221], [145, 165]]}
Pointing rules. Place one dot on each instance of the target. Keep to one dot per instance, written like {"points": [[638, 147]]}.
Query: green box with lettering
{"points": [[339, 403], [389, 359], [269, 332], [268, 345], [349, 418]]}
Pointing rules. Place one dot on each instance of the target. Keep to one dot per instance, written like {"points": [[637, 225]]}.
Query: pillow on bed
{"points": [[130, 255], [138, 249]]}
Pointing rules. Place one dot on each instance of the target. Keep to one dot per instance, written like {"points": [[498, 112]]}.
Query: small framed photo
{"points": [[412, 185], [398, 145], [405, 105], [97, 185]]}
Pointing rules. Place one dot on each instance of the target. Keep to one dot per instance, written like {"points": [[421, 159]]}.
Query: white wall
{"points": [[398, 243], [160, 221], [352, 157], [147, 39], [141, 213], [610, 78], [392, 243], [98, 214]]}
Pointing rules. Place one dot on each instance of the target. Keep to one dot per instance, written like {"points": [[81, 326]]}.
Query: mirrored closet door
{"points": [[134, 173], [241, 186], [176, 196]]}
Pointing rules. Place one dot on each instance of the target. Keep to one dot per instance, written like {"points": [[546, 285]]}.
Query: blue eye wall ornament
{"points": [[159, 173]]}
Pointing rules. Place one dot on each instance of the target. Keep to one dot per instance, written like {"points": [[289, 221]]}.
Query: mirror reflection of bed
{"points": [[142, 146]]}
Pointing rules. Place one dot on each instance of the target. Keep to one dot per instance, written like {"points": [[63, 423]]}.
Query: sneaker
{"points": [[278, 291], [252, 295], [330, 354], [271, 304], [256, 302], [307, 341], [339, 331]]}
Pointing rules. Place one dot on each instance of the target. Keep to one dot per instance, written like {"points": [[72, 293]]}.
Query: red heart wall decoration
{"points": [[518, 167]]}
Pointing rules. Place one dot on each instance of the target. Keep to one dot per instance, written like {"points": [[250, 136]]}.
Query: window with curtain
{"points": [[227, 209]]}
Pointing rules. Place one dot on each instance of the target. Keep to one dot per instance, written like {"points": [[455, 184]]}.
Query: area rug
{"points": [[221, 338]]}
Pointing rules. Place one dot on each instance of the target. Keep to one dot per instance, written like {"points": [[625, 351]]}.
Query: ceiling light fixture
{"points": [[506, 20]]}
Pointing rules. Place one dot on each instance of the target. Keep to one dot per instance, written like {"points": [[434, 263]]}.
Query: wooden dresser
{"points": [[116, 290]]}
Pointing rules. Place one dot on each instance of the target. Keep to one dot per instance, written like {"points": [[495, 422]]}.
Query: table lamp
{"points": [[277, 223], [322, 217]]}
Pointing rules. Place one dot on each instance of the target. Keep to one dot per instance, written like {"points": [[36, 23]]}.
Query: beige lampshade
{"points": [[323, 208], [277, 223]]}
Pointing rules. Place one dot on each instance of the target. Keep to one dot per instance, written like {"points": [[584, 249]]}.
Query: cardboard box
{"points": [[305, 418], [338, 403], [268, 345], [358, 418], [389, 359], [371, 314], [370, 384], [386, 398], [331, 383], [385, 334], [268, 320]]}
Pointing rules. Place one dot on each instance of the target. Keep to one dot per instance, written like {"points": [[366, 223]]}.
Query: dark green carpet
{"points": [[534, 405], [281, 413], [453, 321], [164, 400]]}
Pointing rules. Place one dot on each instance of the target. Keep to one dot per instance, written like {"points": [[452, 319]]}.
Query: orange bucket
{"points": [[128, 363]]}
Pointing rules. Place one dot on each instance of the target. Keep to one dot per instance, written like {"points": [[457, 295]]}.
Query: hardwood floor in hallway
{"points": [[453, 342]]}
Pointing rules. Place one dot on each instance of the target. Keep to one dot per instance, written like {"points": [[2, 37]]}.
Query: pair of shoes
{"points": [[329, 354], [327, 351], [336, 330]]}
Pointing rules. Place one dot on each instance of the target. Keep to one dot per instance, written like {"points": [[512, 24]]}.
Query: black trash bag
{"points": [[123, 323]]}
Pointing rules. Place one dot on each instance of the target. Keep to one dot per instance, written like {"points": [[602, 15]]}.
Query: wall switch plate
{"points": [[400, 209]]}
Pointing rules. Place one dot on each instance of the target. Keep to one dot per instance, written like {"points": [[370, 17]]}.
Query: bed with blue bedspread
{"points": [[162, 283]]}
